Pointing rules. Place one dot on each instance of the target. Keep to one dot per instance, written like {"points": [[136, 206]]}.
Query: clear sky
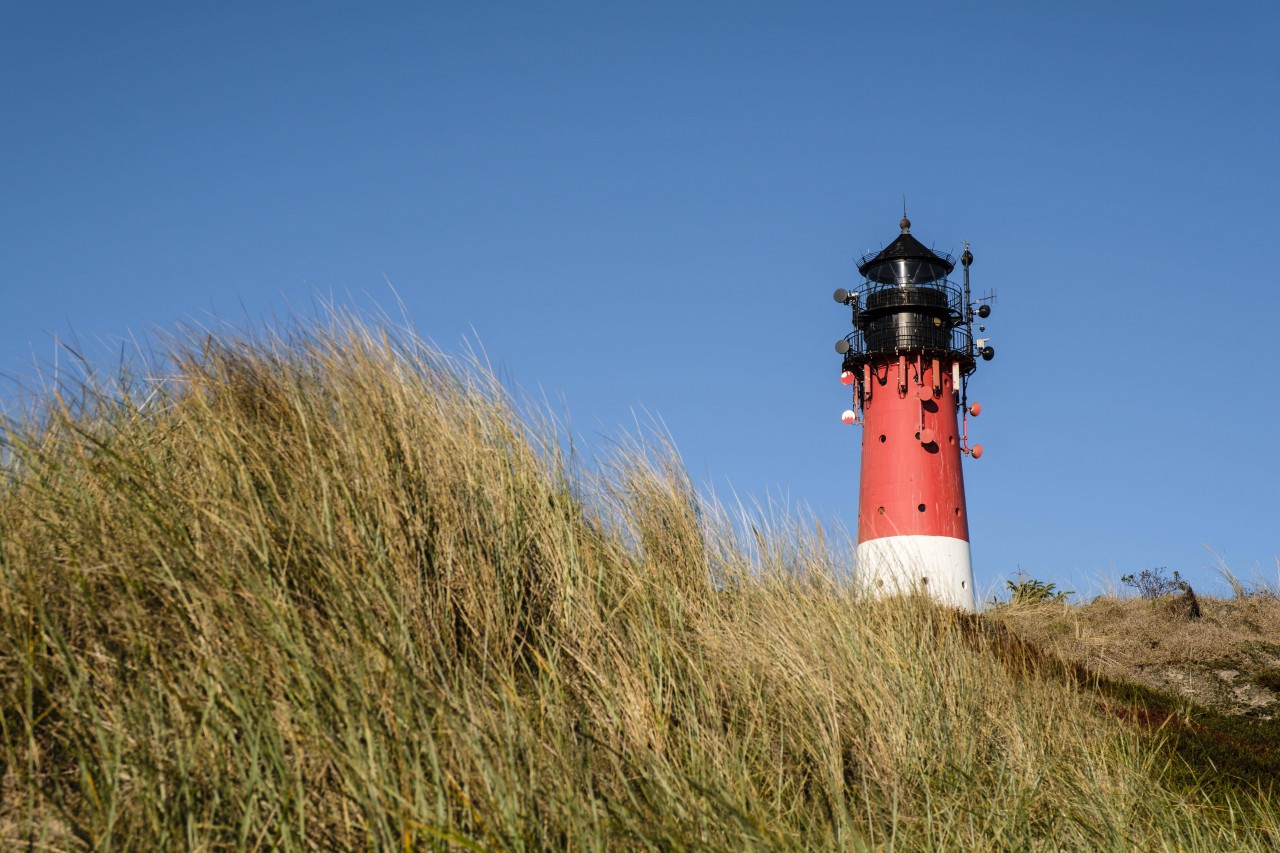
{"points": [[641, 209]]}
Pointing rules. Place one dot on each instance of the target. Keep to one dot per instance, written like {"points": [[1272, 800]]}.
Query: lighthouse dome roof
{"points": [[905, 261]]}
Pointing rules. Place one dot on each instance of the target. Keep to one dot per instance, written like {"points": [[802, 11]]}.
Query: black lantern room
{"points": [[907, 305]]}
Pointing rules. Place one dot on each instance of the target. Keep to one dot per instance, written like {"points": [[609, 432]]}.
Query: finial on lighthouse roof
{"points": [[905, 261]]}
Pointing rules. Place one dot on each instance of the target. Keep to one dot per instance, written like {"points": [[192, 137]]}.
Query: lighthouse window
{"points": [[921, 507], [882, 439]]}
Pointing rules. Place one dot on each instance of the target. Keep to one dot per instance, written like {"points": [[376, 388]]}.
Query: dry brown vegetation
{"points": [[331, 591], [1227, 660]]}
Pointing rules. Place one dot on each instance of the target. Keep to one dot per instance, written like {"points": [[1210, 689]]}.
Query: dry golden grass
{"points": [[333, 591], [1217, 660]]}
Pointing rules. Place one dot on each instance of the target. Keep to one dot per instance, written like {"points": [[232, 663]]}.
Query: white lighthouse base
{"points": [[938, 566]]}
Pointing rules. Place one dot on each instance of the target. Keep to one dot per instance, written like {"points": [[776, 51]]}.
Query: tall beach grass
{"points": [[330, 589]]}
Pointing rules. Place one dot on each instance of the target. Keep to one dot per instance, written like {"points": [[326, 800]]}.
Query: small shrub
{"points": [[1152, 583], [1029, 590]]}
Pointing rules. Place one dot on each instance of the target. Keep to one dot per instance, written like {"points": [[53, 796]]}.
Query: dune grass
{"points": [[331, 590]]}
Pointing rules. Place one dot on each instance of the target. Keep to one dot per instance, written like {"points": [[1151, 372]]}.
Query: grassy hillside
{"points": [[1211, 684], [332, 591]]}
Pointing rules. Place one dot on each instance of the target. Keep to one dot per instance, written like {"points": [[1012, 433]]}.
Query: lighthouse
{"points": [[908, 362]]}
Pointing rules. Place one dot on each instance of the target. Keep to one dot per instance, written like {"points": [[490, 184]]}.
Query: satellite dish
{"points": [[842, 346], [841, 295], [984, 311], [988, 353]]}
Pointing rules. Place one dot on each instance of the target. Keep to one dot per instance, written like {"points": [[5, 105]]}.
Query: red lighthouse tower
{"points": [[908, 359]]}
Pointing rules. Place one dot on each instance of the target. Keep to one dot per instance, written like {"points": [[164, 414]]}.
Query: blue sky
{"points": [[642, 209]]}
